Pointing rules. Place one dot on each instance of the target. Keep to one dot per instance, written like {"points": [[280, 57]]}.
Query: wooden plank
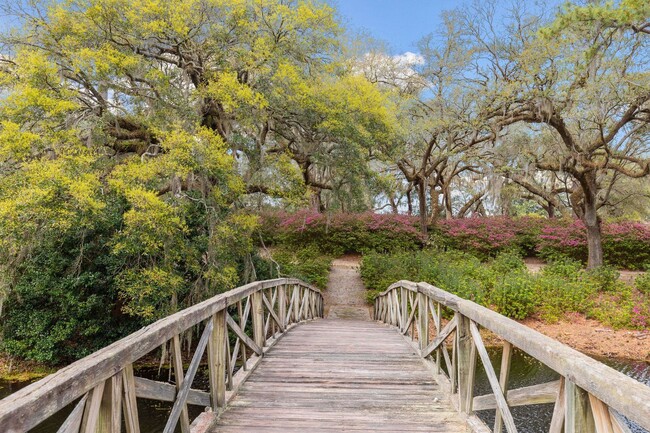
{"points": [[466, 363], [31, 405], [441, 337], [269, 307], [129, 401], [557, 421], [578, 417], [161, 391], [327, 374], [403, 309], [257, 310], [501, 403], [179, 374], [91, 412], [414, 306], [624, 394], [282, 307], [525, 396], [423, 322], [504, 375], [602, 421], [183, 392], [217, 359], [243, 318], [110, 411], [242, 335], [72, 423]]}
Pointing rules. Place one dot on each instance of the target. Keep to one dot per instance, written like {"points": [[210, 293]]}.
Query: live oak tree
{"points": [[588, 86], [441, 123], [129, 133]]}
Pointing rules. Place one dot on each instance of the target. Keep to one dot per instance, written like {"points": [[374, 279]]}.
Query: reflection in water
{"points": [[524, 371], [153, 414]]}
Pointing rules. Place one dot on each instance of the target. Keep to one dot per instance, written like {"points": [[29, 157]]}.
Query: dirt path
{"points": [[345, 297]]}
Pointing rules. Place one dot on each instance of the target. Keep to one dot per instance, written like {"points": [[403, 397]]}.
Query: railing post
{"points": [[282, 306], [403, 298], [110, 412], [257, 310], [296, 304], [466, 353], [217, 360], [578, 417], [178, 372], [423, 321]]}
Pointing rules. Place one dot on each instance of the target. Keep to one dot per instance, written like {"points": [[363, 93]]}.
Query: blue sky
{"points": [[400, 23]]}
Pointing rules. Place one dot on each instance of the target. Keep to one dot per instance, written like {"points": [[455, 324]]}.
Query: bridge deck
{"points": [[341, 375]]}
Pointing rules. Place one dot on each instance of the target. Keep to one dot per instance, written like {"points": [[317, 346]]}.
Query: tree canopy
{"points": [[138, 140]]}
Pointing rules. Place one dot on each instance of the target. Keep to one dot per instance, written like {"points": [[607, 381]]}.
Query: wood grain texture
{"points": [[335, 375]]}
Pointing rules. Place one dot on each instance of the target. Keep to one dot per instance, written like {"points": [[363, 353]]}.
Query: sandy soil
{"points": [[589, 337], [345, 296]]}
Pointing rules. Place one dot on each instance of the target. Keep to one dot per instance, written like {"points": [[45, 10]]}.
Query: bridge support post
{"points": [[257, 308], [217, 360], [466, 353], [423, 321], [282, 307], [403, 299], [578, 418]]}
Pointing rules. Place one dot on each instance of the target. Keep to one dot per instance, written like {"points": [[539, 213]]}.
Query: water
{"points": [[524, 371], [153, 414]]}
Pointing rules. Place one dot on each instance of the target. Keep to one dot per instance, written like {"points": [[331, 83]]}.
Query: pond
{"points": [[525, 371]]}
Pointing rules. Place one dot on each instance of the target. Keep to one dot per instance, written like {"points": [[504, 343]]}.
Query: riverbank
{"points": [[12, 370], [592, 338]]}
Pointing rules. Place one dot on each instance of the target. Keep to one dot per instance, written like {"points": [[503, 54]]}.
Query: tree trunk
{"points": [[435, 204], [550, 209], [449, 213], [422, 199], [592, 221], [594, 236], [409, 201], [316, 200]]}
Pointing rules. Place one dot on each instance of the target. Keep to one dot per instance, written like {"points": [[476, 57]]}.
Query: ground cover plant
{"points": [[504, 284]]}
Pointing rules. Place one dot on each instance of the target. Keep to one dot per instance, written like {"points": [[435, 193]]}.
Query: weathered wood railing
{"points": [[105, 388], [589, 396]]}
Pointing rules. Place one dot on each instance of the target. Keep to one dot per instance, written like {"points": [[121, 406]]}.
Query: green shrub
{"points": [[605, 277], [642, 283], [614, 309], [308, 264], [567, 268], [508, 261], [514, 296]]}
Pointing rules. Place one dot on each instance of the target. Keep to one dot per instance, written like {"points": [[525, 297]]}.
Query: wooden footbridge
{"points": [[275, 365]]}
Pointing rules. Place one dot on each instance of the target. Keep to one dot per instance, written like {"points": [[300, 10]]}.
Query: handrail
{"points": [[105, 382], [589, 397]]}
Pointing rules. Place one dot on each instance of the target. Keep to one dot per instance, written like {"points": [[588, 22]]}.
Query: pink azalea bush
{"points": [[341, 233], [487, 236], [625, 244]]}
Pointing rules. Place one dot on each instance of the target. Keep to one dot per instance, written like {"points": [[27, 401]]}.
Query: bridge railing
{"points": [[588, 397], [104, 388]]}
